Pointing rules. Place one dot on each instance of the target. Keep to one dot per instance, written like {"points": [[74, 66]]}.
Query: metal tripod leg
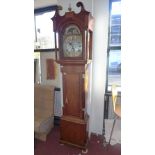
{"points": [[112, 131]]}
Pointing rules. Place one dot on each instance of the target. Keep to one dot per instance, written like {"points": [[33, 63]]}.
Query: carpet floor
{"points": [[53, 147]]}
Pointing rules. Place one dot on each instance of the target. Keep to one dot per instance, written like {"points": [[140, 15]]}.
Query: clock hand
{"points": [[71, 44]]}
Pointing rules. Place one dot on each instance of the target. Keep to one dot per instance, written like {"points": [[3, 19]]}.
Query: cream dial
{"points": [[72, 42]]}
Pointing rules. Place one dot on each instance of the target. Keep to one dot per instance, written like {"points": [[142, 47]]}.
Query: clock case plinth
{"points": [[74, 123]]}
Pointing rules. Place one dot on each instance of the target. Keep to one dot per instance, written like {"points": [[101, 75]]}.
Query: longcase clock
{"points": [[73, 41]]}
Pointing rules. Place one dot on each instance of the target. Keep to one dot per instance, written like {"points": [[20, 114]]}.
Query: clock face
{"points": [[72, 42]]}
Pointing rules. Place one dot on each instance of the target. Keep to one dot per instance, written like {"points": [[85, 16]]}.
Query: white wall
{"points": [[44, 3], [100, 13], [47, 55], [99, 9]]}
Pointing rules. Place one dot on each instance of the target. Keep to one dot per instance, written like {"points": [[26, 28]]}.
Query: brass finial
{"points": [[69, 8]]}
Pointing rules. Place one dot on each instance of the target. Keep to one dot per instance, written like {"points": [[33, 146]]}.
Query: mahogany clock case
{"points": [[73, 35]]}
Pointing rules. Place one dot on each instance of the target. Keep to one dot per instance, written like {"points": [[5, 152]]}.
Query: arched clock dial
{"points": [[72, 42]]}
